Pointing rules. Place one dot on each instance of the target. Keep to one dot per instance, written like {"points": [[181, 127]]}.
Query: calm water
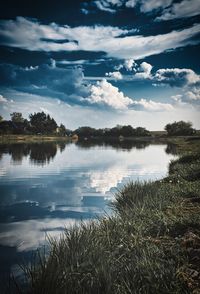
{"points": [[46, 187]]}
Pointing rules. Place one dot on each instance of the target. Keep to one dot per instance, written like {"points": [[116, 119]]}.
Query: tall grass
{"points": [[137, 250]]}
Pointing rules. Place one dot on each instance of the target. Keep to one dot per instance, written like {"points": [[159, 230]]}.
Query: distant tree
{"points": [[180, 128], [1, 118], [142, 132], [42, 123], [85, 132], [62, 130], [17, 117], [128, 131], [6, 127]]}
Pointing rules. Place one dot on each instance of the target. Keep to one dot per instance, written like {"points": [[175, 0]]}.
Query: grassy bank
{"points": [[10, 139], [151, 244], [156, 137]]}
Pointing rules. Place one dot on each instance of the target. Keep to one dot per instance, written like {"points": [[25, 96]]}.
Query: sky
{"points": [[101, 63]]}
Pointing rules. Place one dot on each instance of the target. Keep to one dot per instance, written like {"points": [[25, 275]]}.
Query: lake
{"points": [[47, 187]]}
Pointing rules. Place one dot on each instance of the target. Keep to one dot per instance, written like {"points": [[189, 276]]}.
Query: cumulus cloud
{"points": [[31, 35], [190, 96], [185, 8], [144, 71], [105, 94], [177, 76], [174, 77], [151, 105], [68, 85], [194, 94], [129, 64], [116, 75]]}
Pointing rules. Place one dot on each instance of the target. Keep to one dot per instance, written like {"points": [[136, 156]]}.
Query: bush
{"points": [[180, 128]]}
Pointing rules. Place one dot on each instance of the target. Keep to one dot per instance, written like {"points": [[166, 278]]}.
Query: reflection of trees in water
{"points": [[171, 149], [40, 153], [62, 145], [17, 151], [115, 143]]}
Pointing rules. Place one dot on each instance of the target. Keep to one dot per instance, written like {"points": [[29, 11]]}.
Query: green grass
{"points": [[151, 243]]}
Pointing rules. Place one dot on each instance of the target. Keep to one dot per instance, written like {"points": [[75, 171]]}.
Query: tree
{"points": [[126, 131], [85, 132], [17, 117], [62, 130], [42, 123], [1, 118], [142, 132], [180, 128]]}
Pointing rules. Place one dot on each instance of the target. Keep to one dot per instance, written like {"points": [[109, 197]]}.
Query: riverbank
{"points": [[157, 137], [10, 139], [150, 245]]}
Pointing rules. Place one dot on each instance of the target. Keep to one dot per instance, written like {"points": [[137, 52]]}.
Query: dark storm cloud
{"points": [[45, 80]]}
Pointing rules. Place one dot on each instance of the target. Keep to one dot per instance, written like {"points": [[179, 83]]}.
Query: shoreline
{"points": [[150, 245], [4, 139], [10, 139]]}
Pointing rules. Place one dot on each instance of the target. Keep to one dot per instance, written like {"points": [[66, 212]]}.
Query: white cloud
{"points": [[177, 97], [3, 99], [185, 8], [116, 75], [149, 5], [194, 94], [129, 64], [177, 76], [31, 35], [131, 3], [169, 10], [190, 96], [144, 71], [72, 62], [112, 6], [104, 93], [96, 116], [150, 105], [107, 5]]}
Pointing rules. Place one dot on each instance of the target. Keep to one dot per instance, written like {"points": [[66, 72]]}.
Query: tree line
{"points": [[41, 123], [123, 131]]}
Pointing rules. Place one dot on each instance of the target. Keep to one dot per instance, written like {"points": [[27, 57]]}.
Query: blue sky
{"points": [[103, 62]]}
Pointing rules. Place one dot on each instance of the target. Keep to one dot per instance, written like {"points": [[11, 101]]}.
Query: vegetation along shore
{"points": [[42, 127], [150, 244]]}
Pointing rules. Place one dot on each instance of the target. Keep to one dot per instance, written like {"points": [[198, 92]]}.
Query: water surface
{"points": [[46, 187]]}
